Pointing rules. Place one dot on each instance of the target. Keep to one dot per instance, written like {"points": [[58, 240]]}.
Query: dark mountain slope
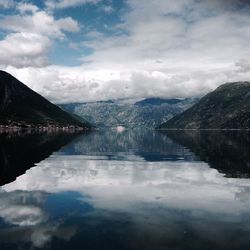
{"points": [[228, 107], [21, 106]]}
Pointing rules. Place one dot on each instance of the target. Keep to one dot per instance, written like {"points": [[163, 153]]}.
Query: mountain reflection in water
{"points": [[20, 151], [226, 151], [132, 190]]}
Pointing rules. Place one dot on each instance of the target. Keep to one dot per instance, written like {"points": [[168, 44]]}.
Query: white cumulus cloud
{"points": [[30, 34], [24, 49], [39, 22], [160, 48]]}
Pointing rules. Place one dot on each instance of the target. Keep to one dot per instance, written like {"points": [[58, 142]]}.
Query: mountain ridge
{"points": [[141, 113], [20, 106], [158, 101], [227, 107]]}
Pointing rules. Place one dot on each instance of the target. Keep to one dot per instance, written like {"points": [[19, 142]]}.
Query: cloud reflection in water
{"points": [[125, 202]]}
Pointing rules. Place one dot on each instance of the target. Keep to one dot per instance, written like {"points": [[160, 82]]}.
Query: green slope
{"points": [[228, 107]]}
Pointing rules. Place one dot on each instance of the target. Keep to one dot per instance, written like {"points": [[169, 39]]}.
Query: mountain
{"points": [[228, 107], [157, 101], [21, 106], [148, 112]]}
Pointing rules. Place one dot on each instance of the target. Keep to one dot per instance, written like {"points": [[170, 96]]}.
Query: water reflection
{"points": [[226, 151], [19, 152], [106, 191], [147, 144]]}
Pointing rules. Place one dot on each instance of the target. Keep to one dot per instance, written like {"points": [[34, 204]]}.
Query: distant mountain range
{"points": [[159, 101], [22, 107], [228, 107], [148, 112]]}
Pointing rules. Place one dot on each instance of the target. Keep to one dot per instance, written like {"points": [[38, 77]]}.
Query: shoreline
{"points": [[42, 128]]}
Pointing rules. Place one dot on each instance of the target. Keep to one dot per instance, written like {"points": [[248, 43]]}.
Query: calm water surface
{"points": [[137, 189]]}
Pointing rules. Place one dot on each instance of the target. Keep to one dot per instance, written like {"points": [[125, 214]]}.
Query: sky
{"points": [[89, 50]]}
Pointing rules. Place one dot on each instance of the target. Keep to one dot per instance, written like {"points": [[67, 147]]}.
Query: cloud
{"points": [[6, 3], [57, 4], [30, 34], [62, 84], [175, 34], [243, 65], [107, 9], [159, 48], [197, 42], [39, 22], [24, 7], [68, 24], [24, 49]]}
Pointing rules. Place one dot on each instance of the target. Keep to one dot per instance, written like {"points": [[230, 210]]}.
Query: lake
{"points": [[133, 189]]}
